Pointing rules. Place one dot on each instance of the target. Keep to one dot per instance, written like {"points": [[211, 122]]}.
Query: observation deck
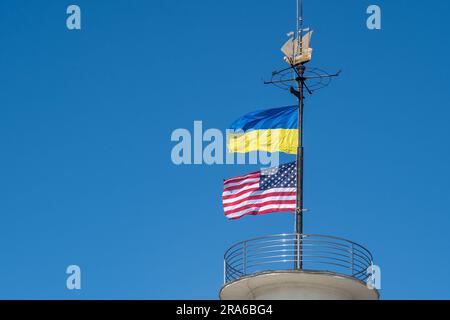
{"points": [[297, 266]]}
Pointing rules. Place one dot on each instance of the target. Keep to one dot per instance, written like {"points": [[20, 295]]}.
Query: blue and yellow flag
{"points": [[271, 130]]}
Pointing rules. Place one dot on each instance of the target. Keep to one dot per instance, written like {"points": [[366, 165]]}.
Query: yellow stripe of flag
{"points": [[269, 140]]}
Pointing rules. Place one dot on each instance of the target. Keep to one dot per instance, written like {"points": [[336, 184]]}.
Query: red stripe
{"points": [[259, 205], [260, 212], [239, 193], [260, 196], [241, 186], [240, 178]]}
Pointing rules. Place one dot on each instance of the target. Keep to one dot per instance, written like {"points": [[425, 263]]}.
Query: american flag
{"points": [[265, 191]]}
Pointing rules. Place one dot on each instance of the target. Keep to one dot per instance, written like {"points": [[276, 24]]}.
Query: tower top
{"points": [[298, 266]]}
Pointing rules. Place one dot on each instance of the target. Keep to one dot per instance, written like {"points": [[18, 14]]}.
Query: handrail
{"points": [[284, 251]]}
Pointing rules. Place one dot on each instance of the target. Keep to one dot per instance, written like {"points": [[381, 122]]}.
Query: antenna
{"points": [[300, 24], [297, 78]]}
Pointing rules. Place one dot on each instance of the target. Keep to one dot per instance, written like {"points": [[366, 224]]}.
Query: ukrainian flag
{"points": [[271, 130]]}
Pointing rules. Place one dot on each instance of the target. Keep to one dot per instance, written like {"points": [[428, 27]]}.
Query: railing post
{"points": [[244, 264], [353, 259], [224, 271], [297, 249]]}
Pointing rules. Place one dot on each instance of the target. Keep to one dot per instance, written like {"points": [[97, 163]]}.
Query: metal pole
{"points": [[353, 260], [299, 213], [299, 220], [224, 271], [299, 210], [244, 263]]}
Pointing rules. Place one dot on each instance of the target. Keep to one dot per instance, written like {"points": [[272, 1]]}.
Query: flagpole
{"points": [[299, 200], [300, 153], [300, 55]]}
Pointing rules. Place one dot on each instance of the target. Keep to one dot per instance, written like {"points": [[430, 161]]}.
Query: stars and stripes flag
{"points": [[265, 191]]}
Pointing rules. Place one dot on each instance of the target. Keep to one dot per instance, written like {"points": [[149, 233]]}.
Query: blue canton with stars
{"points": [[284, 176]]}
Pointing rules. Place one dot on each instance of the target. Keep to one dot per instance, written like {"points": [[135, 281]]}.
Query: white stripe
{"points": [[232, 184], [257, 193], [231, 192], [273, 206]]}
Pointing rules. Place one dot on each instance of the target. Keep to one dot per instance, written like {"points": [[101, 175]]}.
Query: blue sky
{"points": [[86, 116]]}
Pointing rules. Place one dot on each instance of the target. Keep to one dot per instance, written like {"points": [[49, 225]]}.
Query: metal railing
{"points": [[289, 251]]}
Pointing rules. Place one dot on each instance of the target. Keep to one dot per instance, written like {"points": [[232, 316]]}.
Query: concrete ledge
{"points": [[297, 285]]}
